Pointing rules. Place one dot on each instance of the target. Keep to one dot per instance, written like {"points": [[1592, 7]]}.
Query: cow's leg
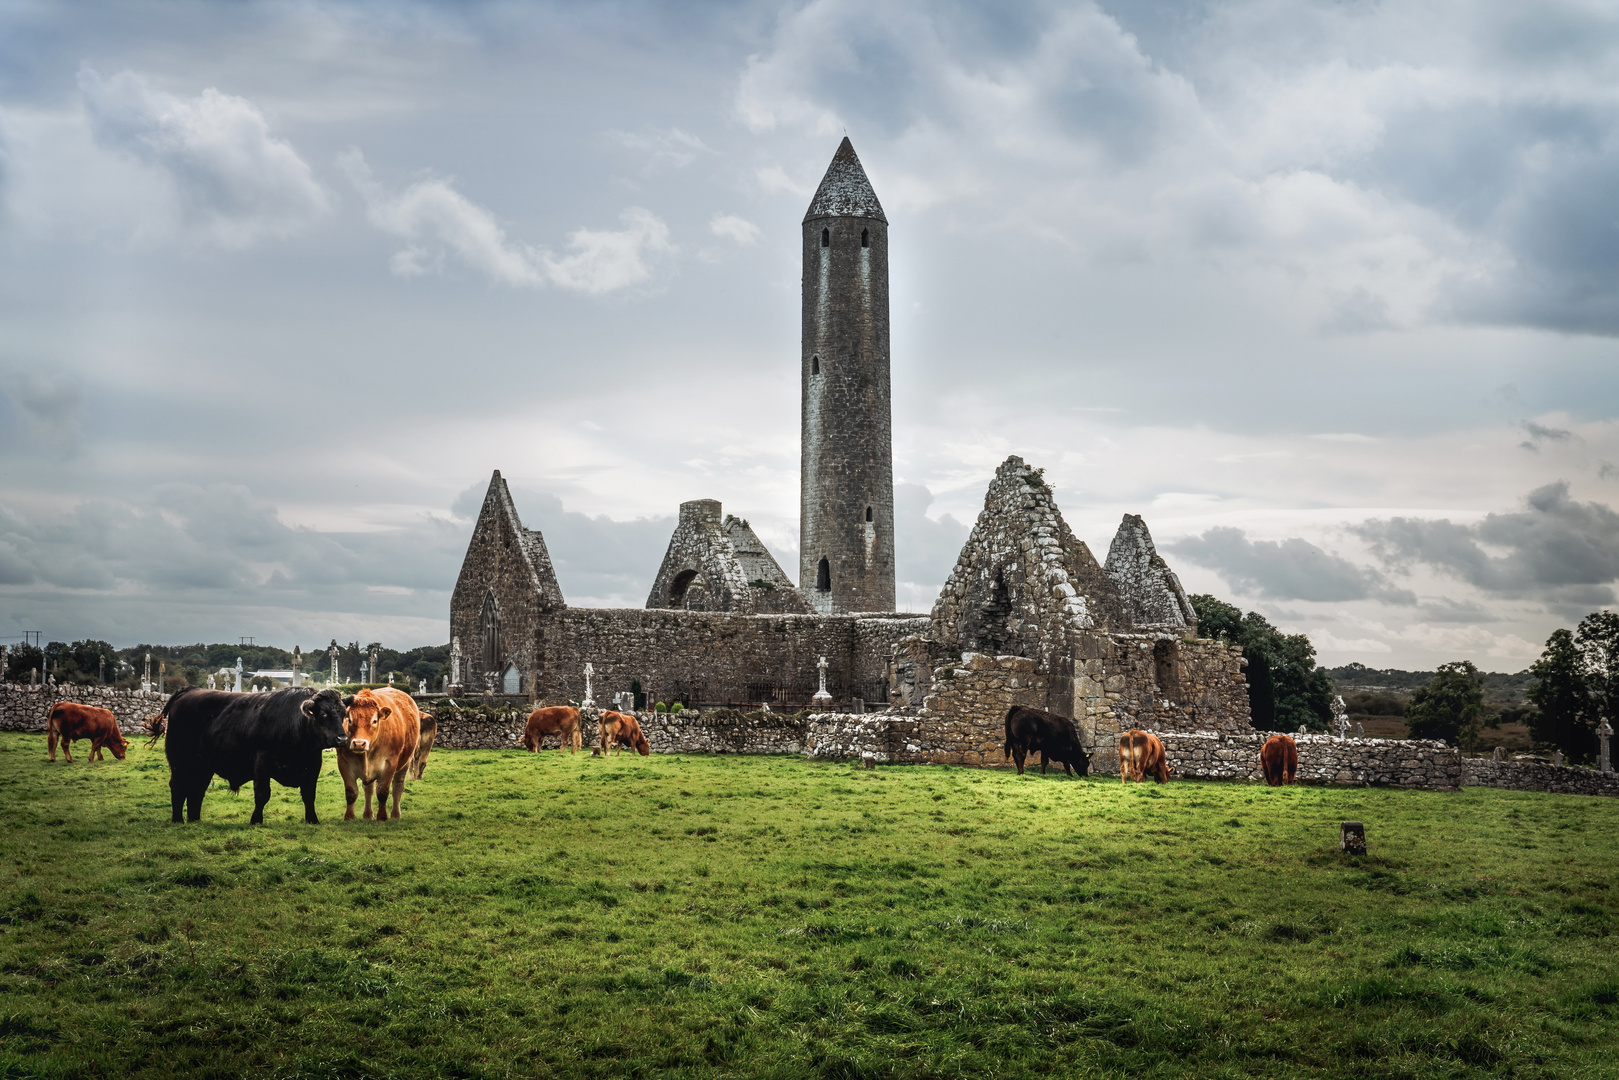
{"points": [[399, 792], [50, 743], [370, 784], [177, 798], [1018, 754], [1042, 763], [67, 748], [578, 739], [351, 791], [307, 790], [95, 751], [199, 788], [261, 796]]}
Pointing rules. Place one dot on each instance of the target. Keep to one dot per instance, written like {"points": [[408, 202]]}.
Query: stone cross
{"points": [[1360, 730], [373, 668], [238, 686], [1604, 733], [101, 668], [455, 662], [333, 653], [162, 670], [363, 670], [297, 665], [589, 671], [423, 688], [821, 696], [1340, 716], [146, 679]]}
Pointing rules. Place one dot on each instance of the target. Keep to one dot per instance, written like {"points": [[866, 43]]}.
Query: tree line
{"points": [[93, 662]]}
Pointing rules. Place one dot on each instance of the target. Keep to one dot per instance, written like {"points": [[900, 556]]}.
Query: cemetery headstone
{"points": [[1352, 838]]}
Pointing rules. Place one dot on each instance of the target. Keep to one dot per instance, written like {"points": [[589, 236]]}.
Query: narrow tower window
{"points": [[826, 237], [815, 365], [868, 513], [823, 576], [865, 237]]}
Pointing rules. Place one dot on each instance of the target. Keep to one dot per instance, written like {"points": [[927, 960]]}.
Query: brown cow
{"points": [[385, 731], [418, 764], [559, 720], [1142, 754], [618, 731], [1279, 760], [68, 720]]}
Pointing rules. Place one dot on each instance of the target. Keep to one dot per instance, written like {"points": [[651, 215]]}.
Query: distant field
{"points": [[554, 915]]}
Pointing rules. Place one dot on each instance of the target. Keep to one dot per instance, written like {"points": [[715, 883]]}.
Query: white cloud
{"points": [[669, 148], [235, 182], [437, 221], [735, 228]]}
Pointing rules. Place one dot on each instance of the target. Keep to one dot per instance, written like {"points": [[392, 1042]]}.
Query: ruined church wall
{"points": [[713, 657], [495, 562]]}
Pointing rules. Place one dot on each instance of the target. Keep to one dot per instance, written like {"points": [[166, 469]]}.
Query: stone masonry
{"points": [[846, 523], [717, 563], [25, 708]]}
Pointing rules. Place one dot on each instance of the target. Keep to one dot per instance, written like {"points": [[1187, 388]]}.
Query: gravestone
{"points": [[1360, 730], [1352, 838], [1500, 754], [1557, 758]]}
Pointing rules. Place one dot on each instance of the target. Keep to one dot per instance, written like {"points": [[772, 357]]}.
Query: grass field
{"points": [[551, 915]]}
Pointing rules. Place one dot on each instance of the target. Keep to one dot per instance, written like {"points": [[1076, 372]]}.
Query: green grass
{"points": [[554, 915]]}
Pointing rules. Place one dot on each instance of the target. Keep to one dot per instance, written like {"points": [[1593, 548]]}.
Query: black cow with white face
{"points": [[241, 737], [1054, 737]]}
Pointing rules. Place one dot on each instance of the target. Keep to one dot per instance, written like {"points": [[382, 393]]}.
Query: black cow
{"points": [[1054, 737], [242, 737]]}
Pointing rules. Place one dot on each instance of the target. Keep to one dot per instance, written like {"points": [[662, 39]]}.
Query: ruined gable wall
{"points": [[712, 657], [1151, 592], [510, 561]]}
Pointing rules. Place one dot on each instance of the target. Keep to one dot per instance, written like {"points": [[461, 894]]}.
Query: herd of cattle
{"points": [[381, 738]]}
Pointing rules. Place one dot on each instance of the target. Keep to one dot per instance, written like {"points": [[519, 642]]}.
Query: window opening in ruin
{"points": [[823, 576], [815, 365], [1166, 663], [681, 585], [489, 632], [868, 513], [865, 237], [511, 681], [994, 617], [826, 237]]}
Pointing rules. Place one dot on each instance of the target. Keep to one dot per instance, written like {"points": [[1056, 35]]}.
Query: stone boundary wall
{"points": [[1538, 776], [25, 708], [1422, 763]]}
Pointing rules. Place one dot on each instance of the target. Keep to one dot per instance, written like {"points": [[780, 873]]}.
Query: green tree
{"points": [[1450, 707], [1598, 639], [1286, 689], [1562, 720]]}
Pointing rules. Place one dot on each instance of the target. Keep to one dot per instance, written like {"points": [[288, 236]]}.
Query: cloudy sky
{"points": [[1329, 292]]}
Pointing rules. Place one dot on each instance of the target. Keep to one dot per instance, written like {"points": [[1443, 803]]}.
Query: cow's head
{"points": [[1082, 763], [117, 744], [642, 747], [366, 714], [324, 711]]}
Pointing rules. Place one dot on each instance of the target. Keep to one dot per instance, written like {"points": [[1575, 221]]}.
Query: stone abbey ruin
{"points": [[1028, 615]]}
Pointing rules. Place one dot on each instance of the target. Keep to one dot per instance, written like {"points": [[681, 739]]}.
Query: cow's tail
{"points": [[1006, 749], [424, 744], [156, 725]]}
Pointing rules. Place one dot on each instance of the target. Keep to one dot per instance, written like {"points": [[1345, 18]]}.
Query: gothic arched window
{"points": [[868, 513], [865, 237], [815, 365], [826, 237], [489, 628]]}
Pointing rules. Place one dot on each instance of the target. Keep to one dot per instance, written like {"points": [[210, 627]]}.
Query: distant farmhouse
{"points": [[1028, 615]]}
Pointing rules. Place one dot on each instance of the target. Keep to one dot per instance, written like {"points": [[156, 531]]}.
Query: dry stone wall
{"points": [[1538, 776], [25, 708], [1211, 755]]}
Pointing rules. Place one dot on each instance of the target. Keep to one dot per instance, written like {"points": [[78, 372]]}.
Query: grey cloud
{"points": [[49, 410], [1292, 569], [1444, 610], [237, 182], [1558, 550], [1539, 433], [925, 550]]}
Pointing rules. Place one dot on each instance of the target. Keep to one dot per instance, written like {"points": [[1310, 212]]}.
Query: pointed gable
{"points": [[499, 529], [845, 191], [1023, 580], [717, 563], [1152, 594]]}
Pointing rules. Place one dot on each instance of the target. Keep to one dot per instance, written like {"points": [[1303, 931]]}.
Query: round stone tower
{"points": [[846, 527]]}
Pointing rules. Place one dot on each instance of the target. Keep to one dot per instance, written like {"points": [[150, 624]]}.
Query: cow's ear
{"points": [[308, 707], [383, 714], [348, 702]]}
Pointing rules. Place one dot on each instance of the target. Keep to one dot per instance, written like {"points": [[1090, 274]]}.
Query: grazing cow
{"points": [[385, 731], [1279, 760], [69, 720], [559, 720], [1054, 737], [619, 730], [259, 737], [1141, 754], [418, 764]]}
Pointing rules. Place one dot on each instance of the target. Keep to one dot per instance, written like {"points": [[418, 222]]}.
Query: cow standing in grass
{"points": [[385, 731], [1054, 737], [619, 730], [1279, 760], [418, 764], [242, 737], [1141, 754], [559, 720], [68, 720]]}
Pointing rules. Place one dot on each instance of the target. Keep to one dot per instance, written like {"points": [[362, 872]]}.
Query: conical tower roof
{"points": [[844, 190]]}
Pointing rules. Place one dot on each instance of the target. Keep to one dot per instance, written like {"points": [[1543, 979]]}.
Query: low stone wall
{"points": [[25, 708], [1538, 776], [1422, 763]]}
